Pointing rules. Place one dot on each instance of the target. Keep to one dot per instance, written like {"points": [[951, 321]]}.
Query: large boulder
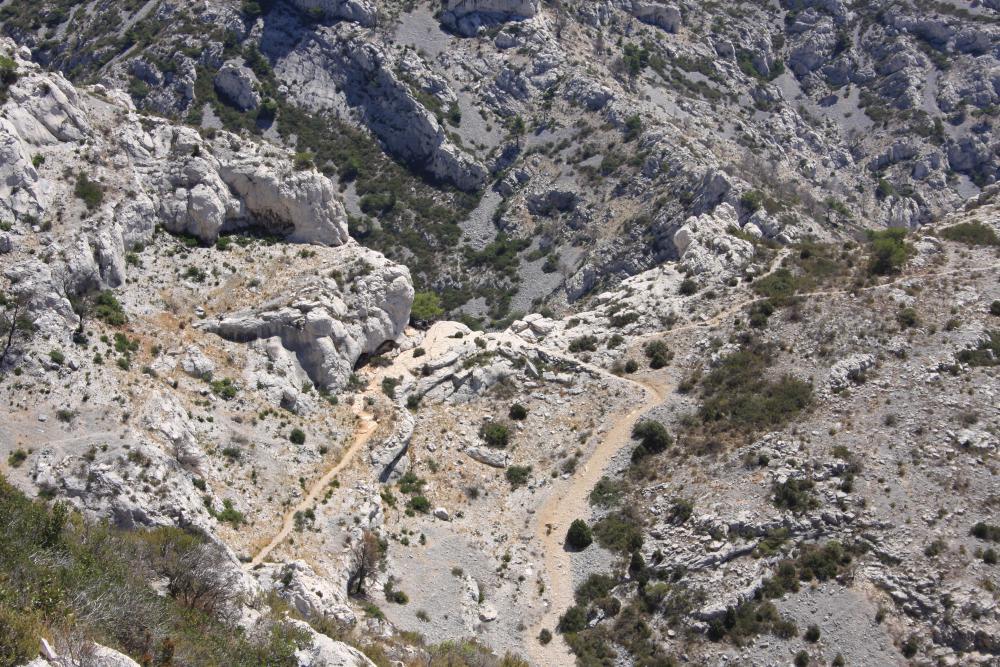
{"points": [[355, 11], [237, 84], [705, 245], [328, 324], [466, 17], [661, 15]]}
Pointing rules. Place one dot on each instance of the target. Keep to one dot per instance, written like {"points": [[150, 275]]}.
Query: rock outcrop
{"points": [[368, 76], [327, 323], [238, 84], [466, 17], [706, 246]]}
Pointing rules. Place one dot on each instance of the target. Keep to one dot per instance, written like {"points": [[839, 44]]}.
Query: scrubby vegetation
{"points": [[738, 395], [73, 579], [971, 233]]}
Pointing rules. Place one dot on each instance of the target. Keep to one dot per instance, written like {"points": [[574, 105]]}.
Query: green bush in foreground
{"points": [[93, 578]]}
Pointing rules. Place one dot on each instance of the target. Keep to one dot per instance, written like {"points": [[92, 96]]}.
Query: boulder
{"points": [[466, 17], [661, 15], [326, 324], [237, 84], [705, 245], [362, 12], [492, 458]]}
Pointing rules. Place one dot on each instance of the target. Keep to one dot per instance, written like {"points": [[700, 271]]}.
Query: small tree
{"points": [[15, 327], [579, 536], [426, 307], [365, 556]]}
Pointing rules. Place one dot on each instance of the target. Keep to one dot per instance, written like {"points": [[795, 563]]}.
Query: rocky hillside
{"points": [[499, 332]]}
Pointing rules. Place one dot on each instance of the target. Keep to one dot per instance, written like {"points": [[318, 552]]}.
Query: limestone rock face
{"points": [[467, 16], [327, 326], [325, 652], [661, 15], [311, 595], [356, 11], [340, 57], [238, 84], [705, 245]]}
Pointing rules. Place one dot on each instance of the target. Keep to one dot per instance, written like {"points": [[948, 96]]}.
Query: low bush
{"points": [[653, 437], [495, 434], [518, 412], [90, 192], [987, 353], [586, 343], [108, 309], [579, 535], [619, 531], [971, 233], [795, 495], [518, 476], [419, 504], [889, 251], [986, 531], [658, 353], [297, 436], [737, 395]]}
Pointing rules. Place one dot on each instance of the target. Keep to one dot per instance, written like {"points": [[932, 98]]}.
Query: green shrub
{"points": [[653, 437], [812, 633], [801, 659], [225, 388], [594, 587], [16, 458], [108, 309], [987, 353], [752, 200], [426, 307], [518, 412], [631, 366], [619, 531], [889, 251], [297, 436], [545, 636], [585, 343], [303, 161], [389, 385], [681, 510], [907, 318], [57, 356], [795, 495], [995, 309], [688, 287], [91, 192], [574, 620], [737, 395], [778, 286], [986, 531], [579, 535], [230, 514], [518, 475], [410, 483], [971, 233], [658, 353], [419, 504], [607, 492], [495, 433]]}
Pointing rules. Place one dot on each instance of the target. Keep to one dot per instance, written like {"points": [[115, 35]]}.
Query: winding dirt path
{"points": [[362, 434], [572, 502]]}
